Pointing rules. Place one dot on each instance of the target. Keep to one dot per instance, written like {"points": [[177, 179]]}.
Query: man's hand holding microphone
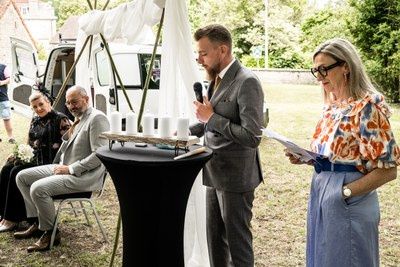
{"points": [[203, 107]]}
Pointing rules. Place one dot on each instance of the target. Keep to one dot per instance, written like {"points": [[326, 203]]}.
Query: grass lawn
{"points": [[279, 208]]}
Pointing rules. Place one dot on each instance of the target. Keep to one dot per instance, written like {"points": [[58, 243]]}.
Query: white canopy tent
{"points": [[133, 22]]}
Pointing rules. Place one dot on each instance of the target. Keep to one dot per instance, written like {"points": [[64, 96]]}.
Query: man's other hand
{"points": [[61, 169]]}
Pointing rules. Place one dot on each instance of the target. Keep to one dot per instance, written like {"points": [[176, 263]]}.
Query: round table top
{"points": [[150, 154]]}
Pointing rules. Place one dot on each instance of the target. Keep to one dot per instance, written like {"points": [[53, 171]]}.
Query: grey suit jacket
{"points": [[232, 132], [79, 151]]}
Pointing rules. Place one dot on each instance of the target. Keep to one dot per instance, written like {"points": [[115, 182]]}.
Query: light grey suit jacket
{"points": [[232, 132], [78, 151]]}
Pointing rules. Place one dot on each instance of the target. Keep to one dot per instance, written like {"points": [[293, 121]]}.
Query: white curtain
{"points": [[179, 71], [133, 22]]}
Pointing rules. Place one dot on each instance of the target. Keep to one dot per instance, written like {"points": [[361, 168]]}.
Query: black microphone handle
{"points": [[199, 96], [198, 90]]}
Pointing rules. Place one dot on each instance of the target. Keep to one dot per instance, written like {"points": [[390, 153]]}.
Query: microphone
{"points": [[198, 90]]}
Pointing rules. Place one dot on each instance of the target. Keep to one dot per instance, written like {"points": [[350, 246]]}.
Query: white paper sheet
{"points": [[303, 154]]}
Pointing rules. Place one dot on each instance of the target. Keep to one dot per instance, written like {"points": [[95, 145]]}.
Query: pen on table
{"points": [[191, 153]]}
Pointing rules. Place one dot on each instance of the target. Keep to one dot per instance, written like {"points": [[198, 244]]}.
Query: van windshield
{"points": [[132, 69]]}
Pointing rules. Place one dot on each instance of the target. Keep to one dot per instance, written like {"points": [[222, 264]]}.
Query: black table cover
{"points": [[152, 190]]}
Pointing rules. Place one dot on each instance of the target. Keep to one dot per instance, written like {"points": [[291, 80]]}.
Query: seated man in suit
{"points": [[76, 168]]}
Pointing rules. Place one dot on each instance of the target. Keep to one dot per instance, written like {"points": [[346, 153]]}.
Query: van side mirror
{"points": [[111, 98]]}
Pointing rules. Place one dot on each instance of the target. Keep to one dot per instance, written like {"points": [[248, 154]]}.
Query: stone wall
{"points": [[289, 76]]}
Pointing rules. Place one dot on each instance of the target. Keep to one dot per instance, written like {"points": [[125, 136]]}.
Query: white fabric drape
{"points": [[179, 71], [133, 22]]}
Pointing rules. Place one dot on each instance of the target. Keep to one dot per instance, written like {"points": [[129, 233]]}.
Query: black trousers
{"points": [[12, 205]]}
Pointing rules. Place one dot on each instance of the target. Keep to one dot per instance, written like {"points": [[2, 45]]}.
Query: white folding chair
{"points": [[81, 197]]}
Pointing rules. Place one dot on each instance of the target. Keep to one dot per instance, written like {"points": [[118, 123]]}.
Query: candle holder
{"points": [[139, 138]]}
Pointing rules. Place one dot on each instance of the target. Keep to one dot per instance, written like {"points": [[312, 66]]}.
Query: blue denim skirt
{"points": [[341, 232]]}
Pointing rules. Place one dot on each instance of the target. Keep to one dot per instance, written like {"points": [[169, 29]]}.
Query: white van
{"points": [[105, 92]]}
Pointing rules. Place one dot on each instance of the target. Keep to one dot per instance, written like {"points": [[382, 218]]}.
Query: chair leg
{"points": [[98, 221], [53, 234], [73, 208], [84, 212]]}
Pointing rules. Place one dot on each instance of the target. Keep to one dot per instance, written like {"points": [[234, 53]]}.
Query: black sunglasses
{"points": [[324, 70]]}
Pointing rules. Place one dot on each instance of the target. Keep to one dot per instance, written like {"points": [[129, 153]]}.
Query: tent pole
{"points": [[105, 5], [71, 70], [150, 70], [116, 240], [114, 68], [140, 117], [90, 4]]}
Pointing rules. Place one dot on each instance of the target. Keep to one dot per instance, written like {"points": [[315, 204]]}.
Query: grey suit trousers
{"points": [[229, 236], [37, 186]]}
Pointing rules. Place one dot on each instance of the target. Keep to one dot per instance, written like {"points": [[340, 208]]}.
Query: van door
{"points": [[25, 73], [101, 84], [58, 65], [132, 68]]}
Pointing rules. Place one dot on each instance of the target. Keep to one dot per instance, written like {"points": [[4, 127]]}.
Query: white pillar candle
{"points": [[183, 129], [131, 123], [116, 122], [148, 124], [164, 127]]}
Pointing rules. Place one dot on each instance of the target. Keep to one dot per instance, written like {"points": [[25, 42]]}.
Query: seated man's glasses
{"points": [[73, 102], [324, 70]]}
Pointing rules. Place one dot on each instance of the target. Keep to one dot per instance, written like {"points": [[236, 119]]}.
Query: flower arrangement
{"points": [[23, 153]]}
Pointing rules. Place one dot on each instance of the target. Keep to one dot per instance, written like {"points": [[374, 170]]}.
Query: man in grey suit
{"points": [[76, 168], [231, 123]]}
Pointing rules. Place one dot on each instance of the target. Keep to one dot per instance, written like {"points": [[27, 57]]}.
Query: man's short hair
{"points": [[216, 33], [78, 88]]}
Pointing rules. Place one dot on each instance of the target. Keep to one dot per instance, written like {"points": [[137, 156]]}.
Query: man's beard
{"points": [[77, 113], [213, 72]]}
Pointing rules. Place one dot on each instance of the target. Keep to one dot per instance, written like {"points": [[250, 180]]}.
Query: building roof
{"points": [[4, 5], [68, 31]]}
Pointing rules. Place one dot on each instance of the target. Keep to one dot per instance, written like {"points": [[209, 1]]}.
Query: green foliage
{"points": [[243, 18], [66, 8], [327, 23], [42, 54], [376, 31], [284, 33], [246, 21], [251, 62]]}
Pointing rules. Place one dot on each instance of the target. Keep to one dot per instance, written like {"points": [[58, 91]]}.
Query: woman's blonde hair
{"points": [[358, 81], [36, 95]]}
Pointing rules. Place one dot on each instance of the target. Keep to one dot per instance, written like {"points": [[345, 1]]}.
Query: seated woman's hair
{"points": [[36, 95]]}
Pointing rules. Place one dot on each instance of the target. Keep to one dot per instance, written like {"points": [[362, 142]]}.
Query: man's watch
{"points": [[346, 192]]}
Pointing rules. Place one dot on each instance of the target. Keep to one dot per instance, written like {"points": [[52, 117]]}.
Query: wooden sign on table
{"points": [[139, 138]]}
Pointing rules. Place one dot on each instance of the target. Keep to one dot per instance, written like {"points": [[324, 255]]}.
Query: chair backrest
{"points": [[100, 192]]}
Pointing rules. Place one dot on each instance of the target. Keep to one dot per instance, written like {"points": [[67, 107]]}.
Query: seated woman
{"points": [[44, 137]]}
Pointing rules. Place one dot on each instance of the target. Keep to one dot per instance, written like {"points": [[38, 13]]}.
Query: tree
{"points": [[376, 32], [69, 8], [242, 18], [324, 24], [66, 8], [284, 34], [245, 19]]}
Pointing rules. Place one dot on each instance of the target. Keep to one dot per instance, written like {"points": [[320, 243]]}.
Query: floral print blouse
{"points": [[357, 132]]}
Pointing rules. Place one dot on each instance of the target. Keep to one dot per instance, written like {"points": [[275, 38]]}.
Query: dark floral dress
{"points": [[45, 139], [45, 136]]}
